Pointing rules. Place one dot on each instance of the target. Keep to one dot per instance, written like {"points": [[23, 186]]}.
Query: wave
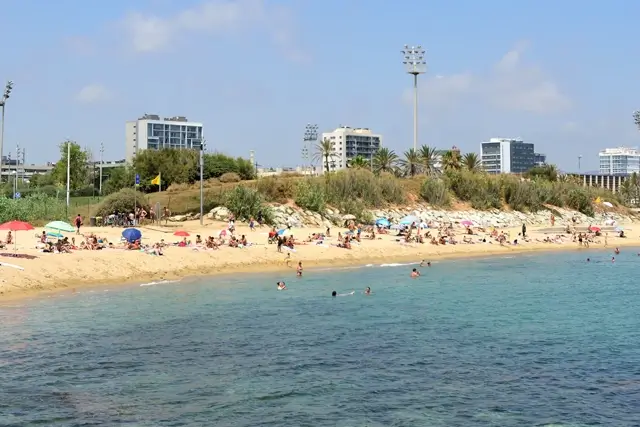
{"points": [[162, 282], [398, 264]]}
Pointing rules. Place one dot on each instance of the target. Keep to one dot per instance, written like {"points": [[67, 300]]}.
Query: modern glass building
{"points": [[151, 132], [505, 155], [349, 143], [619, 161]]}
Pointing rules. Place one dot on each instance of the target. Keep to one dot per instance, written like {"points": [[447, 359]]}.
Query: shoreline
{"points": [[268, 265]]}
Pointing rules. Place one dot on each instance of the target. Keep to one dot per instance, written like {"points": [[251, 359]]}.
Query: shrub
{"points": [[310, 195], [580, 200], [362, 184], [434, 191], [277, 189], [178, 188], [356, 208], [122, 201], [214, 198], [246, 202], [229, 177], [33, 209]]}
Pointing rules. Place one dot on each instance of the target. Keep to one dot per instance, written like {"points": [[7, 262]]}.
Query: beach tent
{"points": [[382, 222], [60, 226], [409, 219]]}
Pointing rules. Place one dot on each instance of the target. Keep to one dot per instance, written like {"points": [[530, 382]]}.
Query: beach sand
{"points": [[84, 268]]}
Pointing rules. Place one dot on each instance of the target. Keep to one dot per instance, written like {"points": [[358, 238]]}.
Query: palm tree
{"points": [[324, 153], [358, 162], [471, 162], [411, 162], [451, 160], [384, 160], [428, 159]]}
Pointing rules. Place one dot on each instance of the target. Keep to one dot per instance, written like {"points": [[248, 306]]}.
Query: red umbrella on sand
{"points": [[16, 226], [594, 228], [181, 233]]}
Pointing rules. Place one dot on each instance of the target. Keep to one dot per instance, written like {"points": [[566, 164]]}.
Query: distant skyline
{"points": [[559, 74]]}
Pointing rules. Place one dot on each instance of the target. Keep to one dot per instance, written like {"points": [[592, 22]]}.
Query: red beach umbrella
{"points": [[594, 228], [181, 233], [16, 226]]}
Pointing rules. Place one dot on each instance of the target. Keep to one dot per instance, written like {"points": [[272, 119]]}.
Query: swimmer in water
{"points": [[588, 259], [415, 273], [367, 291], [617, 251], [613, 259], [422, 263], [281, 286], [299, 270], [334, 294]]}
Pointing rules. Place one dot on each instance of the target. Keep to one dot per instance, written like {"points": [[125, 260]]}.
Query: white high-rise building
{"points": [[349, 143], [508, 155], [150, 132], [619, 161]]}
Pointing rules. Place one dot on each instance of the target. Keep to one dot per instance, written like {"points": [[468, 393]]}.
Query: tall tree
{"points": [[411, 162], [79, 166], [428, 159], [385, 160], [324, 153], [471, 162]]}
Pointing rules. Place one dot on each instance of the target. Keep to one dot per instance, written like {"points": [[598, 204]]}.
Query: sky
{"points": [[562, 74]]}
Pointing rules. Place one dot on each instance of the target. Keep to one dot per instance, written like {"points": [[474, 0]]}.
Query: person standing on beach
{"points": [[299, 269], [524, 230], [78, 222]]}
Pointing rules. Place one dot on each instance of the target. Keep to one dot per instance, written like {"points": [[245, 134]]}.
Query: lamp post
{"points": [[415, 65], [202, 146], [68, 174], [101, 161], [579, 161], [3, 101], [310, 135]]}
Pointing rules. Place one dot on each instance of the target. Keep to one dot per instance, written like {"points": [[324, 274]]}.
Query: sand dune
{"points": [[54, 272]]}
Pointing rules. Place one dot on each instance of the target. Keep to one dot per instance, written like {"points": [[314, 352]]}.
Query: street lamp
{"points": [[203, 144], [415, 65], [7, 92], [310, 135], [579, 160]]}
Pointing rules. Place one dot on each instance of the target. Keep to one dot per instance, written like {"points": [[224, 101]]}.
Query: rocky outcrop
{"points": [[295, 217]]}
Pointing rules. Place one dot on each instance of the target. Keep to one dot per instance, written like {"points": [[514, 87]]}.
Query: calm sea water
{"points": [[529, 341]]}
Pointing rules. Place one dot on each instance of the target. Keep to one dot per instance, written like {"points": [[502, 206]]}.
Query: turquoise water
{"points": [[527, 341]]}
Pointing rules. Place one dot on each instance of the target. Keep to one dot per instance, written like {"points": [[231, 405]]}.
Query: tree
{"points": [[548, 172], [42, 179], [359, 162], [411, 162], [118, 178], [428, 159], [451, 160], [385, 160], [324, 153], [471, 162], [175, 166], [79, 166]]}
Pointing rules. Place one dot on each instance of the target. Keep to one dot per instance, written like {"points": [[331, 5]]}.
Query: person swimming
{"points": [[299, 269], [415, 273], [588, 259], [617, 251], [334, 294], [367, 291], [281, 286]]}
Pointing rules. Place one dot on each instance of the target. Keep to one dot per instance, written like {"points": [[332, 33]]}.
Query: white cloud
{"points": [[511, 84], [149, 33], [93, 93]]}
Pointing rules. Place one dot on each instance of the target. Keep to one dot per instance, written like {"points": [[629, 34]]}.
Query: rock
{"points": [[178, 218], [348, 217]]}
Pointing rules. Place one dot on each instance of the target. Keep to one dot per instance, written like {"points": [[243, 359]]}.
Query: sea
{"points": [[542, 340]]}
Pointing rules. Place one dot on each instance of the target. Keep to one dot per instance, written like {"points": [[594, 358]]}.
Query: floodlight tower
{"points": [[636, 119], [3, 101], [415, 65], [310, 136]]}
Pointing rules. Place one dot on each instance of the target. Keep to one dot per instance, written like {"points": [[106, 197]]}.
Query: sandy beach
{"points": [[51, 272]]}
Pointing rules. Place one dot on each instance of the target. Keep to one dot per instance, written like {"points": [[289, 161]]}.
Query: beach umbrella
{"points": [[382, 222], [181, 233], [223, 232], [284, 232], [16, 226], [60, 226], [409, 219], [466, 223], [56, 235], [131, 234], [594, 228], [619, 229]]}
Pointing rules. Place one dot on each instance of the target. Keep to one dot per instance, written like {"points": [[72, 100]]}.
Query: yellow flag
{"points": [[156, 180], [598, 200]]}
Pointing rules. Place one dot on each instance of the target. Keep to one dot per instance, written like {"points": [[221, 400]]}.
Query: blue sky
{"points": [[561, 74]]}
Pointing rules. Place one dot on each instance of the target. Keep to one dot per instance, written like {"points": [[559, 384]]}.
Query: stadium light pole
{"points": [[636, 119], [101, 161], [310, 135], [415, 65], [3, 101], [68, 174], [202, 147]]}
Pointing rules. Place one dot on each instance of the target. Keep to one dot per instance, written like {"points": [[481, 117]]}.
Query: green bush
{"points": [[310, 195], [213, 198], [580, 200], [435, 192], [246, 202], [34, 209], [124, 200], [278, 189], [361, 184], [356, 208], [229, 177]]}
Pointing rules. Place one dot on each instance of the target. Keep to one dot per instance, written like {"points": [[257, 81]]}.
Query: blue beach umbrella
{"points": [[382, 222], [131, 234], [56, 235], [408, 220], [60, 226]]}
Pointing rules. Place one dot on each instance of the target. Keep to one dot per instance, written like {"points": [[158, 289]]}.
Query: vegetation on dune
{"points": [[34, 209]]}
